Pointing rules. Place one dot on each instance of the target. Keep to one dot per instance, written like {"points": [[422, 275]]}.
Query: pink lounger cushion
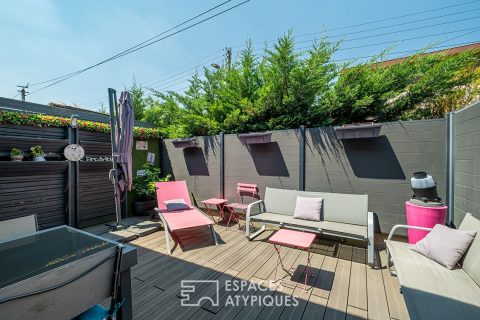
{"points": [[192, 218], [293, 238]]}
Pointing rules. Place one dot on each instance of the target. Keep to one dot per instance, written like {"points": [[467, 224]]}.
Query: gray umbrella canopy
{"points": [[124, 140]]}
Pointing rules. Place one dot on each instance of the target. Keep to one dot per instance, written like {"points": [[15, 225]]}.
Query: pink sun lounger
{"points": [[183, 218]]}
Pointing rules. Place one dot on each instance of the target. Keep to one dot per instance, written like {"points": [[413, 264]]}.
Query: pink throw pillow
{"points": [[308, 208]]}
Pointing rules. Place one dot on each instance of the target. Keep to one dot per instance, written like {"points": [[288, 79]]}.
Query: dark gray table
{"points": [[59, 273]]}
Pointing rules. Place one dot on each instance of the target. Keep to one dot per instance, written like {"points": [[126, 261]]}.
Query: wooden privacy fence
{"points": [[58, 191]]}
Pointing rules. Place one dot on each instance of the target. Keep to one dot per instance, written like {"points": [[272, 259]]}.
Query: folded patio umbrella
{"points": [[124, 141]]}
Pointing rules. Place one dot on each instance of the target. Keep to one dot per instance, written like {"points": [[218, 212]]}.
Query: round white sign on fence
{"points": [[74, 152]]}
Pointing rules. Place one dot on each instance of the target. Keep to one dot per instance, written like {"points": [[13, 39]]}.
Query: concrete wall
{"points": [[199, 166], [467, 163], [380, 167]]}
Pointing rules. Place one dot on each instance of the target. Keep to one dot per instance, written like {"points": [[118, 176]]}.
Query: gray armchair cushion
{"points": [[431, 291], [471, 260]]}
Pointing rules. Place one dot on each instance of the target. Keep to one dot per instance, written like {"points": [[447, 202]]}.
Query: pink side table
{"points": [[218, 203], [234, 214], [294, 239]]}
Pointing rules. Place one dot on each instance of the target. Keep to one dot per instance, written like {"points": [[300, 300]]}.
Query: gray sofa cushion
{"points": [[430, 290], [345, 208], [471, 260], [325, 226], [337, 207], [283, 201], [280, 201]]}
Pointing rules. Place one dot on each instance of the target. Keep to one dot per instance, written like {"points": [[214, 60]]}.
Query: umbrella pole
{"points": [[112, 100]]}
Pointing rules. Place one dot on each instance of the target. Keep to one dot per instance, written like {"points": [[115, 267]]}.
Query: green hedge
{"points": [[40, 120]]}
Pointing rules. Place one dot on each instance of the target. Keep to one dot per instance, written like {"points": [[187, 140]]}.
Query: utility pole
{"points": [[228, 57], [22, 91]]}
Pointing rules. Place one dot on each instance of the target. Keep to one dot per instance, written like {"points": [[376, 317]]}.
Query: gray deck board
{"points": [[342, 286]]}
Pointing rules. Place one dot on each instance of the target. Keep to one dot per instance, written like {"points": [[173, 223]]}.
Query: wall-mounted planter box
{"points": [[255, 138], [185, 143], [358, 131]]}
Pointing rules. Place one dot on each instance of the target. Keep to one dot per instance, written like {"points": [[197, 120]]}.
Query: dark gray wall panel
{"points": [[380, 167], [273, 164], [199, 166], [34, 188], [467, 163], [95, 196]]}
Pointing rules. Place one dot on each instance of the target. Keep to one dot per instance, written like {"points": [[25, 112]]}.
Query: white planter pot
{"points": [[16, 158], [39, 158]]}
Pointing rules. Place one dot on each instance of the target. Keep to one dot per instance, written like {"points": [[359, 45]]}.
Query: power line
{"points": [[406, 51], [142, 46], [471, 30], [370, 22], [446, 47], [405, 23], [194, 62], [388, 33], [141, 43], [408, 39], [405, 30], [161, 81]]}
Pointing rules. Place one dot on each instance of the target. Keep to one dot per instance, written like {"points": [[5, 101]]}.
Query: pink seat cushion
{"points": [[186, 219], [236, 205], [293, 238], [214, 201]]}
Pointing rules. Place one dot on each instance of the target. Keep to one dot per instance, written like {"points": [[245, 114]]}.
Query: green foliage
{"points": [[41, 120], [16, 152], [286, 87], [401, 91], [144, 186], [37, 151], [138, 103]]}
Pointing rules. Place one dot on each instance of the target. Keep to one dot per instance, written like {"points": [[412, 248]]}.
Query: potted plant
{"points": [[16, 154], [37, 153], [144, 187]]}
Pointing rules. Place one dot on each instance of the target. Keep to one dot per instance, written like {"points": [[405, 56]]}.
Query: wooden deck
{"points": [[343, 286]]}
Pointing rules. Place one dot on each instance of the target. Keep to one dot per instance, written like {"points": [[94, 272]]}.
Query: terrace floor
{"points": [[343, 286]]}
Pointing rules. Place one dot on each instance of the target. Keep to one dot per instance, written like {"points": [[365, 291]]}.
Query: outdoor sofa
{"points": [[430, 290], [342, 215]]}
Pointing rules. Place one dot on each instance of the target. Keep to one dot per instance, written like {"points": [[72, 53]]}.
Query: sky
{"points": [[44, 39]]}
